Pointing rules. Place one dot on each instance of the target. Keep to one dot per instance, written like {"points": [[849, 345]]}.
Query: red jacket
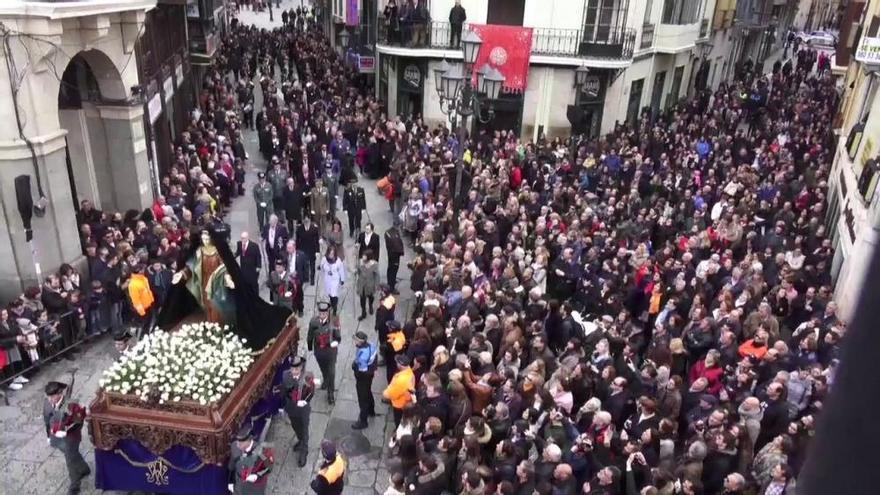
{"points": [[713, 374]]}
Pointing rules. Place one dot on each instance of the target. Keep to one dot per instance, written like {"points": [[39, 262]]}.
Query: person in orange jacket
{"points": [[401, 391], [141, 297]]}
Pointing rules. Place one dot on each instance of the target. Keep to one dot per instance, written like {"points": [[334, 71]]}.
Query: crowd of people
{"points": [[647, 312], [132, 255], [650, 313]]}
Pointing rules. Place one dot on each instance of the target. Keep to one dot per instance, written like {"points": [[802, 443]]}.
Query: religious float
{"points": [[165, 414]]}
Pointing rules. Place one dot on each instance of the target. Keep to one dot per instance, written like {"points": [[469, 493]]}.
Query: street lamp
{"points": [[459, 99], [470, 46], [580, 76], [343, 38], [441, 69]]}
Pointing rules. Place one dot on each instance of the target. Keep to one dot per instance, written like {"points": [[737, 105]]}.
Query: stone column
{"points": [[127, 155], [55, 234]]}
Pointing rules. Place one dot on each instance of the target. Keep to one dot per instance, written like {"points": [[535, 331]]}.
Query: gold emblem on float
{"points": [[157, 472]]}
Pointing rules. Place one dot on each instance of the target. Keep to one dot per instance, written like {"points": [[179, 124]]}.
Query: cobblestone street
{"points": [[32, 467]]}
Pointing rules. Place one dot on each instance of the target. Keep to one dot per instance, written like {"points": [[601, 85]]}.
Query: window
{"points": [[677, 76], [506, 12], [635, 101], [657, 92], [681, 11], [648, 8], [603, 19]]}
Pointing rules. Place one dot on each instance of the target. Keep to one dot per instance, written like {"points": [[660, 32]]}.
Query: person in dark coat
{"points": [[775, 420], [293, 200], [354, 202], [368, 241], [307, 236], [250, 260], [275, 236]]}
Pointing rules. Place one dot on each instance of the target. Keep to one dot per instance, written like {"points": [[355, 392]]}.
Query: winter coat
{"points": [[367, 278]]}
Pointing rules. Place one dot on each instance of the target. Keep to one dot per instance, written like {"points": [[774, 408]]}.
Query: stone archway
{"points": [[104, 134], [95, 47]]}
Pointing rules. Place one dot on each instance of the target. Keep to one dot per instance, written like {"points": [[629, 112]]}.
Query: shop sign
{"points": [[412, 76], [367, 64], [155, 107], [168, 86], [592, 86], [192, 9], [868, 51]]}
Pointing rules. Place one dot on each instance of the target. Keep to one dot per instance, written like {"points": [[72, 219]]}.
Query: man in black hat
{"points": [[330, 478], [249, 463], [364, 367], [263, 195], [298, 388], [323, 340], [63, 420]]}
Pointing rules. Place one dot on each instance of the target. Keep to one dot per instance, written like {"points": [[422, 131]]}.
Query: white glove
{"points": [[48, 441], [262, 205], [288, 294], [60, 434], [252, 478], [230, 487], [334, 344], [301, 403]]}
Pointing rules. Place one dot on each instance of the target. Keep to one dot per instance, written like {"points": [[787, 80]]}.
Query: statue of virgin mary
{"points": [[211, 282]]}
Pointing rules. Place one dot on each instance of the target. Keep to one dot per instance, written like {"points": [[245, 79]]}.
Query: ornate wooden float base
{"points": [[208, 430]]}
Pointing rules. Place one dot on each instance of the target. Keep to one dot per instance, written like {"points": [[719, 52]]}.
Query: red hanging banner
{"points": [[506, 48]]}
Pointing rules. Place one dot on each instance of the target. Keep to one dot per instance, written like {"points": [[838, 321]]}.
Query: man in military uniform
{"points": [[323, 340], [63, 420], [277, 177], [263, 196], [364, 367], [249, 464], [298, 388]]}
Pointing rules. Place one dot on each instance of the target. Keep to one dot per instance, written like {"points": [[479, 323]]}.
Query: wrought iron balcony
{"points": [[603, 42]]}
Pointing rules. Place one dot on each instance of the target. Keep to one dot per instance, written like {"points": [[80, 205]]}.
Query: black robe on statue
{"points": [[255, 319]]}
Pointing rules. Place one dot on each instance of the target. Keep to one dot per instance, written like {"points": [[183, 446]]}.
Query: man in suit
{"points": [[293, 199], [354, 201], [307, 236], [368, 241], [249, 259], [296, 261], [275, 236]]}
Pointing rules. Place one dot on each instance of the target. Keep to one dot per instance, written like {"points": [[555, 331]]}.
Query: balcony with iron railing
{"points": [[602, 42]]}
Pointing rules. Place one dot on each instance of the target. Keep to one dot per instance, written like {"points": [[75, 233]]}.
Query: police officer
{"points": [[298, 388], [263, 195], [63, 420], [323, 340], [364, 367], [249, 464]]}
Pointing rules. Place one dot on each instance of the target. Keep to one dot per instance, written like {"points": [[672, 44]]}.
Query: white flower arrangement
{"points": [[200, 362]]}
